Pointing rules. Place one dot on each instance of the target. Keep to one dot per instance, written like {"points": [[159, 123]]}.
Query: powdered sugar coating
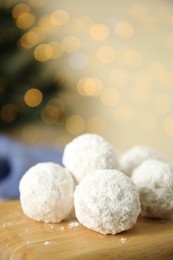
{"points": [[88, 152], [46, 192], [135, 156], [107, 201], [154, 181]]}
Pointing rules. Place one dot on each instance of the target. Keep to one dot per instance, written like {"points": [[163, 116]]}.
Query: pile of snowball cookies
{"points": [[106, 193]]}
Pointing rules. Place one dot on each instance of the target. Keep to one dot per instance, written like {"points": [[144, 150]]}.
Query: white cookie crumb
{"points": [[154, 181], [123, 240], [47, 243], [88, 152], [46, 192], [107, 201], [135, 156], [73, 224]]}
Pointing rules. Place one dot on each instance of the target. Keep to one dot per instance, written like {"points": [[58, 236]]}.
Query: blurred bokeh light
{"points": [[115, 62]]}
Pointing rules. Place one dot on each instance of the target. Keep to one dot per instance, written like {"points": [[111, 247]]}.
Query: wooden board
{"points": [[23, 238]]}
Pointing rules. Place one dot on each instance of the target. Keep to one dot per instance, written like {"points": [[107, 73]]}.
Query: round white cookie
{"points": [[154, 181], [46, 192], [107, 201], [133, 157], [88, 152]]}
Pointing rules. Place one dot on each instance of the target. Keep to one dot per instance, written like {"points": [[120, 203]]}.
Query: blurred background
{"points": [[71, 67]]}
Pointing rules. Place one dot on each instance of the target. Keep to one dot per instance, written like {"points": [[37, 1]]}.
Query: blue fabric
{"points": [[16, 158]]}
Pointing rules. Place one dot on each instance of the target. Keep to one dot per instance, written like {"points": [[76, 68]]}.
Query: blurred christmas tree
{"points": [[26, 83]]}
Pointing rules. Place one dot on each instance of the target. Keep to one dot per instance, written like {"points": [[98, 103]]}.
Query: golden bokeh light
{"points": [[124, 30], [156, 70], [71, 43], [123, 114], [30, 133], [83, 23], [99, 32], [89, 86], [57, 50], [45, 24], [57, 102], [9, 113], [138, 11], [75, 124], [19, 9], [119, 78], [118, 62], [168, 125], [162, 104], [43, 52], [59, 17], [132, 58], [29, 40], [106, 54], [110, 97], [96, 124], [25, 20], [150, 24], [40, 33], [50, 114], [33, 97]]}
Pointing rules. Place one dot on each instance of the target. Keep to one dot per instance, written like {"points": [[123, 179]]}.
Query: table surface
{"points": [[23, 238]]}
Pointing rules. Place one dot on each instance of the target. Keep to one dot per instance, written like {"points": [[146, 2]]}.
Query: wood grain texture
{"points": [[23, 238]]}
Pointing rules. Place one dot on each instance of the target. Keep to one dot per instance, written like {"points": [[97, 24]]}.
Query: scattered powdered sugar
{"points": [[54, 227], [3, 225], [123, 240], [62, 228], [51, 226], [10, 224], [49, 243], [73, 224]]}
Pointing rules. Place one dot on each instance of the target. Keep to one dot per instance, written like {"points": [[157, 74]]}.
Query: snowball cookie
{"points": [[154, 181], [135, 156], [46, 192], [88, 152], [107, 201]]}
